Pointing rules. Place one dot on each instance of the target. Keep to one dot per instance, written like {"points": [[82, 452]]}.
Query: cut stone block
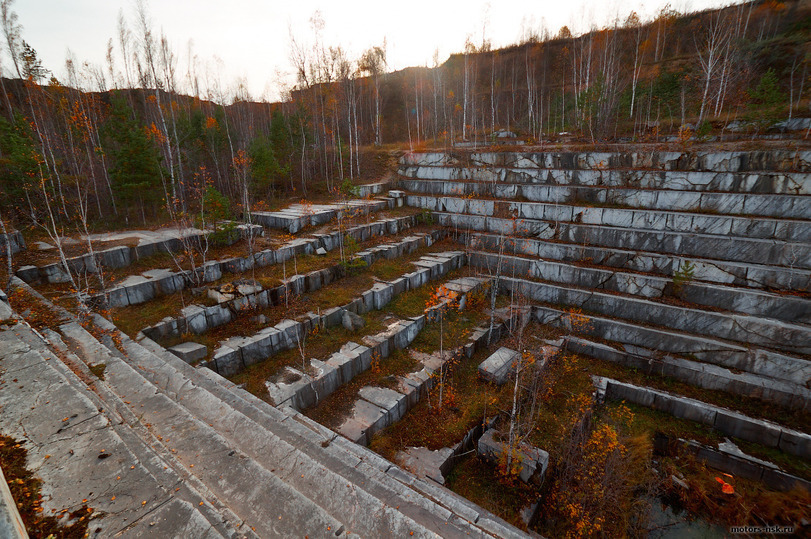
{"points": [[497, 367], [189, 351], [425, 463], [393, 402], [534, 461]]}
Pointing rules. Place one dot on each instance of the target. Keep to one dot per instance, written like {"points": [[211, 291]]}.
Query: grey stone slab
{"points": [[747, 428], [796, 443], [424, 462], [139, 289], [190, 352], [498, 366], [393, 402], [685, 408]]}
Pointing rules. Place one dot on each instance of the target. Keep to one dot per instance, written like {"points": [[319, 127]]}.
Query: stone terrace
{"points": [[693, 267], [154, 445]]}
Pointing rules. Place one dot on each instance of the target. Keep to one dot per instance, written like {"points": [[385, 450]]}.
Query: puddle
{"points": [[669, 521]]}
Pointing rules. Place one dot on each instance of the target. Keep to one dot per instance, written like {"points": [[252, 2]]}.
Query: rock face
{"points": [[351, 321]]}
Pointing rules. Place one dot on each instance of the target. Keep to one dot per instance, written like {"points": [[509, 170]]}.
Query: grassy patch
{"points": [[319, 346], [477, 481], [796, 419], [647, 421], [332, 411], [427, 425]]}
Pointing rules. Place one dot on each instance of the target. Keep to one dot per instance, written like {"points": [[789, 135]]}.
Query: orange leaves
{"points": [[441, 298], [211, 123], [726, 488], [241, 161], [153, 132], [577, 320]]}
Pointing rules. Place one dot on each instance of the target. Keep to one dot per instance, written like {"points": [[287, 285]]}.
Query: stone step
{"points": [[377, 407], [753, 302], [761, 362], [237, 353], [198, 319], [695, 373], [714, 161], [757, 182], [750, 330], [322, 444], [304, 390], [637, 219], [299, 216], [732, 423], [687, 245], [217, 445], [377, 474], [262, 444], [752, 204], [154, 283], [85, 452], [740, 274]]}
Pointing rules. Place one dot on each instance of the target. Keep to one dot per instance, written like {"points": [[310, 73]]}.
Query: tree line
{"points": [[139, 139]]}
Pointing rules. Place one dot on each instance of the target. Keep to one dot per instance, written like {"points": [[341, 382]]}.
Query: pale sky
{"points": [[251, 37]]}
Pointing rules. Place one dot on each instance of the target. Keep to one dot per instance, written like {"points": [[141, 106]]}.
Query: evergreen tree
{"points": [[134, 164]]}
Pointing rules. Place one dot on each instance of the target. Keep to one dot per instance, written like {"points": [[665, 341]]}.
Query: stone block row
{"points": [[754, 302], [638, 219], [298, 216], [731, 423], [376, 408], [751, 330], [738, 465], [790, 255], [740, 274], [761, 362], [703, 375], [197, 319], [122, 256], [752, 204], [722, 161], [300, 390], [775, 183], [150, 284], [237, 353]]}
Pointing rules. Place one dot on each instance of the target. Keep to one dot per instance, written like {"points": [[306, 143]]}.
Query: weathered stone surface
{"points": [[218, 296], [534, 461], [139, 289], [498, 366], [425, 463], [352, 321], [190, 352]]}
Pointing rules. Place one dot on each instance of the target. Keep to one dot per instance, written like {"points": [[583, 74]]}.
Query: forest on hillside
{"points": [[138, 141]]}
